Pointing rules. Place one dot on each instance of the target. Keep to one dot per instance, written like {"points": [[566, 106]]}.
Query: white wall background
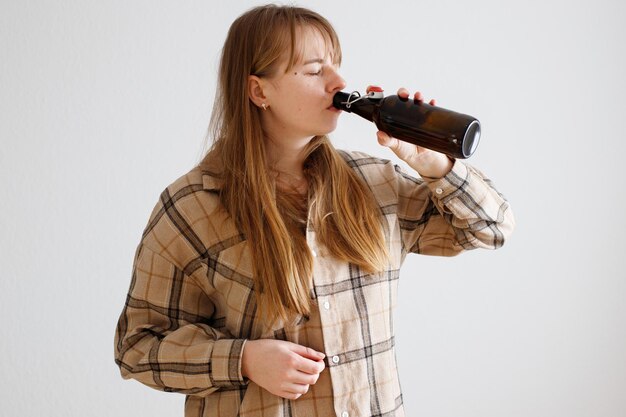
{"points": [[104, 103]]}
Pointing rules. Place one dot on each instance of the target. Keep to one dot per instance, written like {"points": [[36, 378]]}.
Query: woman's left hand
{"points": [[428, 163]]}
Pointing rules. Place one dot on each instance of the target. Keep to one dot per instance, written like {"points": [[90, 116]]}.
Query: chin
{"points": [[328, 129], [325, 132]]}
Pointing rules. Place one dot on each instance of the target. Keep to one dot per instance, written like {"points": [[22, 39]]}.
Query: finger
{"points": [[299, 389], [290, 396], [386, 140], [383, 138], [307, 352], [286, 394], [432, 102], [403, 93], [310, 367], [303, 378], [418, 96]]}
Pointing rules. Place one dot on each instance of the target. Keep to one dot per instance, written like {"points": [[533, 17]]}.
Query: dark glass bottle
{"points": [[436, 128]]}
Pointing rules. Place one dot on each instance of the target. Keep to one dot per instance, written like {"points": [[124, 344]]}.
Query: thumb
{"points": [[388, 141], [307, 352]]}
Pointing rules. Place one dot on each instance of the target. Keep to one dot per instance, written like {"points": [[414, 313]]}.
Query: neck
{"points": [[287, 156]]}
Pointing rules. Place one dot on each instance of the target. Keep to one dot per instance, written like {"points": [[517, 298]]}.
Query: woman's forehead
{"points": [[311, 43]]}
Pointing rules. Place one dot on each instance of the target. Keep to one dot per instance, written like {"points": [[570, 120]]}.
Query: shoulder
{"points": [[357, 159], [190, 192], [195, 182], [188, 220], [374, 169], [370, 168]]}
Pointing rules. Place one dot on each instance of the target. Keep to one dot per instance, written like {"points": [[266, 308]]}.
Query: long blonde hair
{"points": [[344, 215]]}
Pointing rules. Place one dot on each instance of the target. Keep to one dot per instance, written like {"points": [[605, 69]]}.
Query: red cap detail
{"points": [[373, 88]]}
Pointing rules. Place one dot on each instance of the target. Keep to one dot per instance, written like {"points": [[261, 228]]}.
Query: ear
{"points": [[255, 90]]}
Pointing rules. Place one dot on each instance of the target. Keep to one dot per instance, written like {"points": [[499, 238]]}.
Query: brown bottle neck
{"points": [[364, 107]]}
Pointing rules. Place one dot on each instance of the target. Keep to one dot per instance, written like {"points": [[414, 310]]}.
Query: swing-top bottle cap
{"points": [[374, 91]]}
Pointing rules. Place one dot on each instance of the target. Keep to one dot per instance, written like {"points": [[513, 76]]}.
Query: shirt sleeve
{"points": [[461, 211], [164, 338]]}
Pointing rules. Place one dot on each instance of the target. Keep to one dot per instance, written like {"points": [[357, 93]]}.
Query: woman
{"points": [[266, 277]]}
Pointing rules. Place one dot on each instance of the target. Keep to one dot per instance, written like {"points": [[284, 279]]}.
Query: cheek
{"points": [[302, 98]]}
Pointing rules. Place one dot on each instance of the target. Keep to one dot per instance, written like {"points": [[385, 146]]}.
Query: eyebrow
{"points": [[311, 61]]}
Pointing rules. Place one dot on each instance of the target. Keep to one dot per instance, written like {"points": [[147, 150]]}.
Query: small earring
{"points": [[264, 106]]}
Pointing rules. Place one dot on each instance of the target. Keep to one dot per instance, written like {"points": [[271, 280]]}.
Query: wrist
{"points": [[438, 168], [248, 347]]}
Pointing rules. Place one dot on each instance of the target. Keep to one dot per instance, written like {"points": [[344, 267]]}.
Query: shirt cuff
{"points": [[452, 183], [226, 363]]}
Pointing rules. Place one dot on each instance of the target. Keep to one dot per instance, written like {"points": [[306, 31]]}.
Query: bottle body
{"points": [[442, 130]]}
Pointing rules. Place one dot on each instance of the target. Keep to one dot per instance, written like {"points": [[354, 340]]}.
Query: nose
{"points": [[336, 82]]}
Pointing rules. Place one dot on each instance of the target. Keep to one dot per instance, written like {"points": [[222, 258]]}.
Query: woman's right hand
{"points": [[283, 368]]}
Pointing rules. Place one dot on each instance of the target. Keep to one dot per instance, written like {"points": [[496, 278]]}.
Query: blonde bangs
{"points": [[282, 43], [332, 46]]}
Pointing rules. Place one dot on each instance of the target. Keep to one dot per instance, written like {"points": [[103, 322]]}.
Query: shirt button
{"points": [[326, 305], [335, 359], [345, 414], [438, 190]]}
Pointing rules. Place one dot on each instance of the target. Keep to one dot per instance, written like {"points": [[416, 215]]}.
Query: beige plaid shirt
{"points": [[191, 303]]}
